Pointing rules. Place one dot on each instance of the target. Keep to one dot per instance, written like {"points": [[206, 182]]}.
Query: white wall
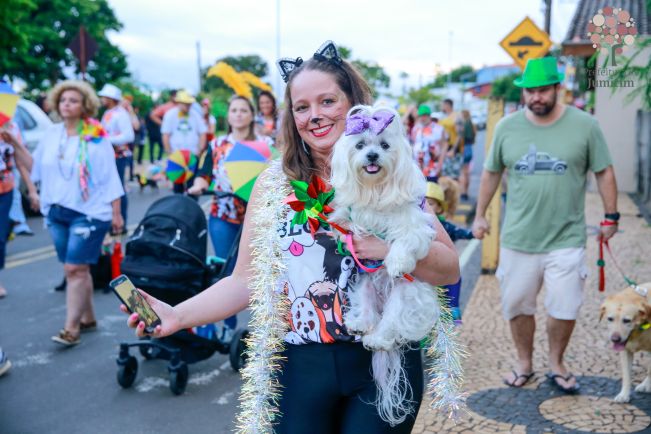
{"points": [[617, 120]]}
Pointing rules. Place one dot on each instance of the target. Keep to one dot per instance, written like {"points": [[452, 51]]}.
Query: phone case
{"points": [[134, 301]]}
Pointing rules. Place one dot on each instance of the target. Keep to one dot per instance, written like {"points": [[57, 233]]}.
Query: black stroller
{"points": [[166, 257]]}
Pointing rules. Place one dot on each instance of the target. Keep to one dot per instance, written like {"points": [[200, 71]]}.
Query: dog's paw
{"points": [[378, 342], [622, 397], [356, 324], [398, 264], [645, 386]]}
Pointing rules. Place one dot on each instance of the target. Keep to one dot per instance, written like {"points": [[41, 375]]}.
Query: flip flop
{"points": [[527, 378], [552, 376]]}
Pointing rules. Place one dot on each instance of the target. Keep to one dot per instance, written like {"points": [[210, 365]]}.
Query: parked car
{"points": [[32, 121], [479, 119]]}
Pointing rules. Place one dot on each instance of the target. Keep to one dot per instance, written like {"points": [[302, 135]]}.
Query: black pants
{"points": [[329, 389]]}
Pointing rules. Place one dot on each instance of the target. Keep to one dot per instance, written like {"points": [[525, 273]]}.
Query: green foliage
{"points": [[48, 29], [505, 89], [372, 72], [14, 26], [141, 97], [638, 74], [420, 96], [464, 73]]}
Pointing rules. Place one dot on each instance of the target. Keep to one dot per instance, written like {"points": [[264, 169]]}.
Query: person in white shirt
{"points": [[80, 197], [117, 123], [183, 129]]}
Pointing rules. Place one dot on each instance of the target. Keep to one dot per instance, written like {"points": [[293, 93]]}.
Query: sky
{"points": [[419, 37]]}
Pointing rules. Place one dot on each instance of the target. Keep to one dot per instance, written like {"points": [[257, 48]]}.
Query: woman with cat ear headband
{"points": [[301, 358]]}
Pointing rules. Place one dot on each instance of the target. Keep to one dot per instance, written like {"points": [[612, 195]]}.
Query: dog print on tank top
{"points": [[318, 279]]}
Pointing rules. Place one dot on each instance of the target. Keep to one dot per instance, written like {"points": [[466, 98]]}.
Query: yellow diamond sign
{"points": [[526, 41]]}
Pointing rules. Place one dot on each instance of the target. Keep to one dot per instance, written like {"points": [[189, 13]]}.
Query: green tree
{"points": [[420, 96], [464, 73], [142, 98], [50, 27], [14, 26], [640, 75], [372, 72], [505, 89]]}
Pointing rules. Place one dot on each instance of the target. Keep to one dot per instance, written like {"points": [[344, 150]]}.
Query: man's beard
{"points": [[542, 109]]}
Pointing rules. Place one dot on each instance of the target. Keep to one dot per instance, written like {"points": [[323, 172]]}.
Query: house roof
{"points": [[586, 9]]}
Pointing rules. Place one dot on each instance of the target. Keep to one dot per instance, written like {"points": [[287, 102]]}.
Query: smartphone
{"points": [[135, 302]]}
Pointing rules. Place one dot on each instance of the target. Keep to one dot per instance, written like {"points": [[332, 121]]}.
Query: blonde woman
{"points": [[80, 197]]}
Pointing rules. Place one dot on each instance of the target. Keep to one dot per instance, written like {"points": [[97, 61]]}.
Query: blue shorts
{"points": [[467, 153], [77, 238]]}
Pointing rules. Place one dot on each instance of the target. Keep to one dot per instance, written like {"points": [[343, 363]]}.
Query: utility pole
{"points": [[199, 65], [548, 16], [450, 61]]}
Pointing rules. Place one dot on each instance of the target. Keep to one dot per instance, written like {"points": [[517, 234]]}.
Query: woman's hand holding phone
{"points": [[169, 318]]}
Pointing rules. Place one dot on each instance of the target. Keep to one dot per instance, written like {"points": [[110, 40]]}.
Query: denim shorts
{"points": [[77, 237], [467, 153]]}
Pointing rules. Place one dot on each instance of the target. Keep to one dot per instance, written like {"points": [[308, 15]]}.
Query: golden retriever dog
{"points": [[628, 314]]}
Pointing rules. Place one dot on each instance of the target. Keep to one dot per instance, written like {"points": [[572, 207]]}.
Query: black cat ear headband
{"points": [[327, 52]]}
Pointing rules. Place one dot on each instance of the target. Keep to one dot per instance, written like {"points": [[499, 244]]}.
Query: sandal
{"points": [[66, 338], [514, 383], [87, 326], [552, 376]]}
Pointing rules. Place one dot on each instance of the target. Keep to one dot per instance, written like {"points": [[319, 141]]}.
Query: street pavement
{"points": [[539, 407], [54, 390]]}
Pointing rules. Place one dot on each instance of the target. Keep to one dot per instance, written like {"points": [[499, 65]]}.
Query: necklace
{"points": [[63, 141]]}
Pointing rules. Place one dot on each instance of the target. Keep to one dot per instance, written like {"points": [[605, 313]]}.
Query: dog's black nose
{"points": [[372, 157], [616, 338]]}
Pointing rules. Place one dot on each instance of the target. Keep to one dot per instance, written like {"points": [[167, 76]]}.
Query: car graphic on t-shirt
{"points": [[534, 161]]}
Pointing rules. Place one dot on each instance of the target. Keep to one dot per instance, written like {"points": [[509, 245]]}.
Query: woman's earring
{"points": [[307, 151]]}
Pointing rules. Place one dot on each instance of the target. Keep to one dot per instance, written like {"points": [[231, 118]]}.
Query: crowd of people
{"points": [[80, 166]]}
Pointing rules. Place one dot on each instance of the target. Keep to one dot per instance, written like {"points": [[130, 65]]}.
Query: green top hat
{"points": [[424, 109], [539, 72]]}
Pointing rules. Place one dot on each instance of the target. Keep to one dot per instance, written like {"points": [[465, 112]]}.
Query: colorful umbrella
{"points": [[244, 163], [180, 166], [8, 103]]}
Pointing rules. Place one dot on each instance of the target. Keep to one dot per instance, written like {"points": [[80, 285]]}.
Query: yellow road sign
{"points": [[526, 41]]}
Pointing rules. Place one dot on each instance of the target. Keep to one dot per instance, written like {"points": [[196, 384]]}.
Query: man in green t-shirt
{"points": [[547, 150]]}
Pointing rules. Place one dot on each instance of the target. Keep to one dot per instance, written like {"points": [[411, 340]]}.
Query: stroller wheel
{"points": [[148, 352], [127, 372], [179, 378], [237, 347]]}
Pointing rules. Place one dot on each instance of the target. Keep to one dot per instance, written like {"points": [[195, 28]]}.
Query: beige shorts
{"points": [[521, 276]]}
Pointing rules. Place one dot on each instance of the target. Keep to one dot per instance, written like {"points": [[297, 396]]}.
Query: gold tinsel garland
{"points": [[269, 309]]}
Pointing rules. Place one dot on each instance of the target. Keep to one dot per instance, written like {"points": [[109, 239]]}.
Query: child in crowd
{"points": [[436, 198]]}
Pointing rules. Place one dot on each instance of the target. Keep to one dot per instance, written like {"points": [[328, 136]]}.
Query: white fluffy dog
{"points": [[379, 191]]}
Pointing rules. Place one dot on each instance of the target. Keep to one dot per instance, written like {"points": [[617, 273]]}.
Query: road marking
{"points": [[38, 254], [203, 378], [19, 262], [29, 253], [34, 359], [224, 399], [467, 252]]}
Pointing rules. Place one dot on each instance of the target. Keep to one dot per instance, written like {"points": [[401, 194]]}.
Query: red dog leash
{"points": [[602, 264]]}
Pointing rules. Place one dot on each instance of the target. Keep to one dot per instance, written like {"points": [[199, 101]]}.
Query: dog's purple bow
{"points": [[360, 122]]}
